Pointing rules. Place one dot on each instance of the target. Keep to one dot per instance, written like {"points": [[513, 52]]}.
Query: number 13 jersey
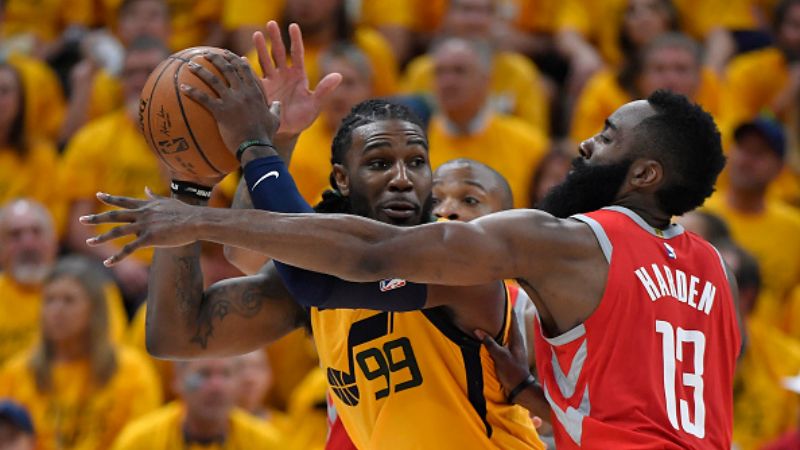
{"points": [[653, 365], [413, 380]]}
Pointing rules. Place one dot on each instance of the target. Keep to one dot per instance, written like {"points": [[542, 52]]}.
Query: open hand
{"points": [[156, 222], [289, 84], [240, 108]]}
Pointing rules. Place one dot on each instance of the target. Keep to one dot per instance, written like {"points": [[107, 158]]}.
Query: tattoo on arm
{"points": [[231, 299]]}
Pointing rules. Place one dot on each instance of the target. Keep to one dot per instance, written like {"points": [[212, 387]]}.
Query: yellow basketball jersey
{"points": [[413, 380]]}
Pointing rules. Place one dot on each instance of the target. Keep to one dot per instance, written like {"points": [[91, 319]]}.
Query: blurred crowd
{"points": [[514, 84]]}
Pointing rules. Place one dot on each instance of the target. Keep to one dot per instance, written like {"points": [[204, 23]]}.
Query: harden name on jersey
{"points": [[664, 282]]}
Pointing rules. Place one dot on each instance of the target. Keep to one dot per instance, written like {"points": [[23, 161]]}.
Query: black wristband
{"points": [[197, 191], [529, 380], [247, 144]]}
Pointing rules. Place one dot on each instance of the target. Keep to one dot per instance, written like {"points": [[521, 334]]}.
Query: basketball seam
{"points": [[149, 121], [186, 122]]}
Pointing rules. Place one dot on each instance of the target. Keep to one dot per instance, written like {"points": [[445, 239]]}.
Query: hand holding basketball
{"points": [[240, 108]]}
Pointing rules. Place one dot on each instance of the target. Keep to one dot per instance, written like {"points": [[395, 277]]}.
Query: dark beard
{"points": [[586, 188]]}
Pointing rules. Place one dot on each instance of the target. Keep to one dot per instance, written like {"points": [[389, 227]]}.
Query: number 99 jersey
{"points": [[413, 380], [653, 366]]}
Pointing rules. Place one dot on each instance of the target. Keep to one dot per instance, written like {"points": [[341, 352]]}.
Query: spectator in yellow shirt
{"points": [[310, 165], [672, 61], [110, 153], [326, 23], [205, 416], [28, 248], [516, 85], [466, 126], [44, 99], [25, 159], [94, 90], [762, 226], [80, 388]]}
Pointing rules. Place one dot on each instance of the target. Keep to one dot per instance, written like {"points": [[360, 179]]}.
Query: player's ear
{"points": [[342, 179], [646, 172]]}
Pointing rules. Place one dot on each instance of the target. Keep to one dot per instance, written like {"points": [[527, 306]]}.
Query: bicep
{"points": [[243, 314]]}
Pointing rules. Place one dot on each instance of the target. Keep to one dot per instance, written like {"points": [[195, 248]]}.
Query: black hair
{"points": [[345, 28], [366, 112], [632, 64], [685, 140], [16, 136], [717, 231]]}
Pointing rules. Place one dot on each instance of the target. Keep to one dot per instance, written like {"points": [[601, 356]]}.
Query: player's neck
{"points": [[746, 201], [648, 210]]}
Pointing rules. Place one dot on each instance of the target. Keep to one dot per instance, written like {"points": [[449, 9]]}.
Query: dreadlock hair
{"points": [[366, 112], [685, 140]]}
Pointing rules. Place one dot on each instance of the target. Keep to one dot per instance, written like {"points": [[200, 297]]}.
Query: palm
{"points": [[300, 106]]}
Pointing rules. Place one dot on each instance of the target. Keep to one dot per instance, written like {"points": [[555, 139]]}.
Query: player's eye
{"points": [[379, 164], [417, 162], [471, 201]]}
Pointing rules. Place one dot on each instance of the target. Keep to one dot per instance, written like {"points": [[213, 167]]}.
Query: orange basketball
{"points": [[183, 134]]}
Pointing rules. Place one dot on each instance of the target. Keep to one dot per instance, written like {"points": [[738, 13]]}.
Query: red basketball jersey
{"points": [[652, 367]]}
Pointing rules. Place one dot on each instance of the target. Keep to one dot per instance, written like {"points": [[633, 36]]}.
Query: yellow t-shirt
{"points": [[602, 95], [773, 238], [46, 19], [45, 106], [106, 95], [291, 357], [20, 308], [373, 13], [762, 408], [311, 161], [77, 415], [110, 155], [516, 87], [753, 80], [306, 421], [373, 44], [29, 177], [162, 430], [135, 338], [413, 379], [506, 144]]}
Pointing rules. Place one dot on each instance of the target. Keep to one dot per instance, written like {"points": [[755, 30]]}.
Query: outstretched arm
{"points": [[231, 317], [511, 244]]}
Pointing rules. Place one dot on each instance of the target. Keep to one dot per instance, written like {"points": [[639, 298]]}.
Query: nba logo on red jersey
{"points": [[670, 251], [391, 284]]}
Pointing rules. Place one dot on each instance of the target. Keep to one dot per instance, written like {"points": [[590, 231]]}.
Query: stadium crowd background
{"points": [[515, 84]]}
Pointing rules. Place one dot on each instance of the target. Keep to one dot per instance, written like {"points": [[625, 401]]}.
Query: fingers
{"points": [[122, 202], [223, 64], [326, 86], [278, 49], [114, 233], [127, 249], [200, 97], [211, 80], [537, 422], [491, 345], [296, 47], [264, 61]]}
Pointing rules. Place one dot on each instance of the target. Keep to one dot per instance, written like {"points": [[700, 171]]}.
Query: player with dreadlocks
{"points": [[403, 373]]}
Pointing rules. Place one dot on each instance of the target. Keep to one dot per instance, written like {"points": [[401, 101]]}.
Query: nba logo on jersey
{"points": [[391, 283], [670, 251]]}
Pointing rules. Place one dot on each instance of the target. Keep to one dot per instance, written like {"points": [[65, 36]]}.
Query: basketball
{"points": [[183, 134]]}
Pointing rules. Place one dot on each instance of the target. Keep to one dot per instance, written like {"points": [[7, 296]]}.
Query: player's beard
{"points": [[586, 188], [360, 206]]}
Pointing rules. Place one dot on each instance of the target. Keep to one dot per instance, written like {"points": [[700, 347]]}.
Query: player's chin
{"points": [[403, 218]]}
